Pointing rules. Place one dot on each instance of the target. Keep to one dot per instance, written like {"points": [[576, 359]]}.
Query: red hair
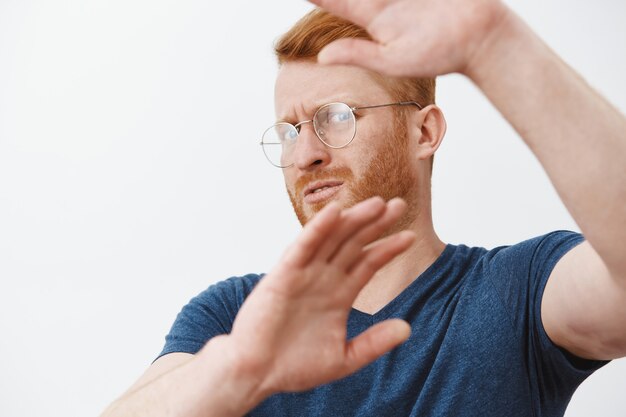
{"points": [[318, 28]]}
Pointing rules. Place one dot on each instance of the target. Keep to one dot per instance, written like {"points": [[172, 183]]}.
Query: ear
{"points": [[427, 129]]}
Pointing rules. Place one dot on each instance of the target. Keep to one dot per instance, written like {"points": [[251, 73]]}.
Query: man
{"points": [[512, 331]]}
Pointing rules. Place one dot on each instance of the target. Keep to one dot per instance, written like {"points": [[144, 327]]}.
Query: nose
{"points": [[310, 153]]}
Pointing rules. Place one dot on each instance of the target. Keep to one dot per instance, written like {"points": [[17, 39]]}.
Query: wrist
{"points": [[238, 380], [505, 31]]}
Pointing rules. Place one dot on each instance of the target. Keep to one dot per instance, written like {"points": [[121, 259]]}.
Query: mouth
{"points": [[321, 190]]}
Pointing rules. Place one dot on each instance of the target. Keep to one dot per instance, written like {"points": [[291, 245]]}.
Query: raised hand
{"points": [[291, 331], [416, 38]]}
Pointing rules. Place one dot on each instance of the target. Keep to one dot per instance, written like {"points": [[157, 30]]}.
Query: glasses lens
{"points": [[278, 142], [335, 124]]}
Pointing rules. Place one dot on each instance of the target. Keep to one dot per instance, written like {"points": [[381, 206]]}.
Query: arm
{"points": [[290, 334], [207, 384], [578, 137], [580, 140]]}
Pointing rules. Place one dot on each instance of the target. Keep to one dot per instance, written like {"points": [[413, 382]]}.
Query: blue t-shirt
{"points": [[477, 346]]}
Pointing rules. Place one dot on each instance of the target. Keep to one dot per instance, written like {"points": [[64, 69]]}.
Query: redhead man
{"points": [[369, 313]]}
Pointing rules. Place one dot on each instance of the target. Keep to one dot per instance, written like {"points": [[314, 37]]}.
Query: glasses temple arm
{"points": [[400, 103]]}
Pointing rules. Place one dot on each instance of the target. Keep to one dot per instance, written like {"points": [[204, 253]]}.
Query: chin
{"points": [[306, 211]]}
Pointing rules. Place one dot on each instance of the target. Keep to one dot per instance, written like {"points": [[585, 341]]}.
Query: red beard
{"points": [[387, 175]]}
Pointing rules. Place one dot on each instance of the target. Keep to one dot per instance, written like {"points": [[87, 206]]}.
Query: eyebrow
{"points": [[311, 108]]}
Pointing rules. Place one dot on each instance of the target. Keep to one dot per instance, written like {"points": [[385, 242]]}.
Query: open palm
{"points": [[292, 327], [414, 38]]}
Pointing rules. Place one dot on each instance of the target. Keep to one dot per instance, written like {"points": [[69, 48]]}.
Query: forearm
{"points": [[578, 137], [209, 384]]}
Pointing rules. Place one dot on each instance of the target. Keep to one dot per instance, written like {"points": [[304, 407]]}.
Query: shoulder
{"points": [[534, 251], [239, 286], [516, 272], [230, 292], [209, 314]]}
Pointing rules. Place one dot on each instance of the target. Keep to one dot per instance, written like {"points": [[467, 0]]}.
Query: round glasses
{"points": [[334, 125]]}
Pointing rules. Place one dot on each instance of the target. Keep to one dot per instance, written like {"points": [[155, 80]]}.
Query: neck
{"points": [[394, 277]]}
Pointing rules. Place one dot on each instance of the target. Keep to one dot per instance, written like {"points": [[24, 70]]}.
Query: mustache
{"points": [[342, 173]]}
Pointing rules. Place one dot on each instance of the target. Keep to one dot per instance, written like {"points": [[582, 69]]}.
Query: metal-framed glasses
{"points": [[334, 125]]}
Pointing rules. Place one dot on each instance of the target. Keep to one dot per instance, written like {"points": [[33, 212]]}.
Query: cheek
{"points": [[369, 145], [362, 161]]}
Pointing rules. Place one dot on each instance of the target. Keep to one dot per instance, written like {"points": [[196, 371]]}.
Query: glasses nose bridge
{"points": [[299, 129], [297, 125]]}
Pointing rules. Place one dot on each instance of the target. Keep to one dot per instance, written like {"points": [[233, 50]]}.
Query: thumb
{"points": [[374, 342], [360, 52]]}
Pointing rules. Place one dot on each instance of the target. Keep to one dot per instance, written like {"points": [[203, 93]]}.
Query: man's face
{"points": [[376, 163]]}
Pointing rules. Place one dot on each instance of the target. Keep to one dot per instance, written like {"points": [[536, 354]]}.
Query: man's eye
{"points": [[338, 117], [289, 135]]}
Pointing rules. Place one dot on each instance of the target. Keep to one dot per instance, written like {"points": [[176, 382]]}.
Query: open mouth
{"points": [[321, 190]]}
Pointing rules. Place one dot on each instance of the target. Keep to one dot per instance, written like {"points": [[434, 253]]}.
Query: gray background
{"points": [[131, 177]]}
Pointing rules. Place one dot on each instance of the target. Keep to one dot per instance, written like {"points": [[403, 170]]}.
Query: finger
{"points": [[352, 248], [360, 52], [374, 342], [361, 12], [313, 235], [352, 220], [377, 256]]}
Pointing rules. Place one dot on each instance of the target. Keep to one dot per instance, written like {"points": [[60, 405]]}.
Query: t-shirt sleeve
{"points": [[209, 314], [520, 274]]}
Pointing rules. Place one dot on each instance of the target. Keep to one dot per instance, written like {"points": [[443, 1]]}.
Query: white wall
{"points": [[131, 177]]}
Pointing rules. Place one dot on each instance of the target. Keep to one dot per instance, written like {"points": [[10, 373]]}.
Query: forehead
{"points": [[303, 86]]}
